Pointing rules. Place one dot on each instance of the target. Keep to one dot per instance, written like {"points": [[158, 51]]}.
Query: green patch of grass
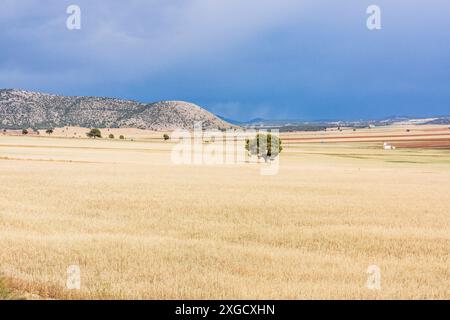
{"points": [[6, 294]]}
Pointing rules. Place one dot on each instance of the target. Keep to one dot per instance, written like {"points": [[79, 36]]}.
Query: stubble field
{"points": [[141, 227]]}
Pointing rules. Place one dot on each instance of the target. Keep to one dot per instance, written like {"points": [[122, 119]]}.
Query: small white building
{"points": [[387, 146]]}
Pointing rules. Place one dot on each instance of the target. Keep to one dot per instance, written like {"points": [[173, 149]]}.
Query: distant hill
{"points": [[443, 120], [300, 125], [24, 109]]}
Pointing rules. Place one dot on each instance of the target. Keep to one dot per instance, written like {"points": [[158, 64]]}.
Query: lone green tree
{"points": [[266, 146], [111, 136], [94, 133], [166, 137], [24, 131]]}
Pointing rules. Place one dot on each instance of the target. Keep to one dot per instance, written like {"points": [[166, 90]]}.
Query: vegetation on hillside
{"points": [[53, 111]]}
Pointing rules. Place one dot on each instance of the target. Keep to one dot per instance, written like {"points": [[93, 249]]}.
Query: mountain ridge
{"points": [[28, 109]]}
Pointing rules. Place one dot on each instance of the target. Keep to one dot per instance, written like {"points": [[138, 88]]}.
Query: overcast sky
{"points": [[275, 59]]}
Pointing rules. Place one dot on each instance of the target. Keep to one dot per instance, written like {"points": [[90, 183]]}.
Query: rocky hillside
{"points": [[23, 109]]}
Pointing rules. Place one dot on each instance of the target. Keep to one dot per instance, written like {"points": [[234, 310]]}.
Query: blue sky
{"points": [[242, 59]]}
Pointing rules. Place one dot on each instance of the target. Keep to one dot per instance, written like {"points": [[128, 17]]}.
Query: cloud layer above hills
{"points": [[241, 59]]}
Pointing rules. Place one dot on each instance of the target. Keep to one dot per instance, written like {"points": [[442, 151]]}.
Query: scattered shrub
{"points": [[94, 133]]}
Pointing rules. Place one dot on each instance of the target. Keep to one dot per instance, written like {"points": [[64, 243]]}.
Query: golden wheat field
{"points": [[141, 227]]}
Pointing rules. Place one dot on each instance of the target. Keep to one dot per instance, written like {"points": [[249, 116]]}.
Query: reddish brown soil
{"points": [[334, 137], [423, 140], [445, 143]]}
